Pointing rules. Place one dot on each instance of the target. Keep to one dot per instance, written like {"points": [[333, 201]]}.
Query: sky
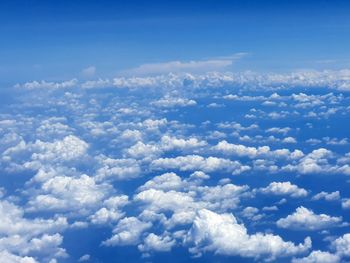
{"points": [[56, 40], [184, 131]]}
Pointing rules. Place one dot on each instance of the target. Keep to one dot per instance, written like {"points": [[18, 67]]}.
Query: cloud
{"points": [[69, 149], [305, 219], [222, 234], [196, 162], [199, 66], [117, 169], [256, 152], [167, 181], [318, 256], [345, 203], [159, 200], [48, 85], [13, 222], [7, 257], [88, 72], [170, 102], [318, 161], [84, 258], [127, 232], [195, 74], [63, 193], [283, 188], [146, 160], [327, 196], [23, 239], [342, 245], [111, 210], [157, 243]]}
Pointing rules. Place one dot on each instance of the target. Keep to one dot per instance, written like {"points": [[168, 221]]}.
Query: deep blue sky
{"points": [[55, 40]]}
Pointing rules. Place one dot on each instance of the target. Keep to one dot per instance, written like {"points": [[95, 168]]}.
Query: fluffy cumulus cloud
{"points": [[327, 196], [157, 243], [127, 232], [169, 102], [196, 162], [305, 219], [23, 239], [318, 257], [199, 164], [283, 188], [222, 234], [342, 245], [67, 193]]}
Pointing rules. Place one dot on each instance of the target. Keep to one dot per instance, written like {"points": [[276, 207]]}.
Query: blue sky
{"points": [[57, 39], [157, 131]]}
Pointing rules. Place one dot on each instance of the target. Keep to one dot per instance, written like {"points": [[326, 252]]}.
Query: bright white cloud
{"points": [[318, 257], [127, 232], [283, 188], [222, 234], [305, 219], [196, 162]]}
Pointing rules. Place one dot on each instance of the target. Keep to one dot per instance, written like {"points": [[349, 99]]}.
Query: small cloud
{"points": [[84, 258], [89, 71]]}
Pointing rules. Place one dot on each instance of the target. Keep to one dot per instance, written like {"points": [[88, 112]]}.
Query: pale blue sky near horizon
{"points": [[54, 40]]}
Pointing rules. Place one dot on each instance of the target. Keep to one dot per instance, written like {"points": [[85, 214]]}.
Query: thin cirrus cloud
{"points": [[88, 72], [192, 66]]}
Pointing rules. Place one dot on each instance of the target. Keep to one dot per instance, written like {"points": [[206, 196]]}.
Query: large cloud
{"points": [[221, 233]]}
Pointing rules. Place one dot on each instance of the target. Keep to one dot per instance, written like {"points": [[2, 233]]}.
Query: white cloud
{"points": [[222, 197], [256, 152], [172, 143], [342, 245], [73, 166], [84, 258], [345, 203], [166, 182], [283, 188], [157, 243], [316, 162], [63, 193], [117, 169], [318, 257], [159, 200], [278, 130], [327, 196], [305, 219], [127, 232], [13, 222], [171, 101], [289, 140], [48, 85], [110, 212], [222, 234], [141, 150], [7, 257], [38, 154], [22, 239], [339, 80], [99, 83], [104, 216], [196, 162]]}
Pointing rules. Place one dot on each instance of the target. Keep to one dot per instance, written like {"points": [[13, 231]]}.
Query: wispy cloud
{"points": [[89, 72], [193, 66]]}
